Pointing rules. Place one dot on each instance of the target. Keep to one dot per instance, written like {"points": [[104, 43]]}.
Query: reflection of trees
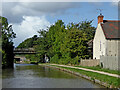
{"points": [[35, 71], [47, 72], [8, 73]]}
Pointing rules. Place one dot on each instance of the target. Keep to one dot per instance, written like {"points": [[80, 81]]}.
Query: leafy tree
{"points": [[75, 43], [28, 43], [7, 44], [42, 45], [87, 28], [64, 45]]}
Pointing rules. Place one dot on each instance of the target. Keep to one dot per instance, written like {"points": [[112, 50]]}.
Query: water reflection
{"points": [[34, 76]]}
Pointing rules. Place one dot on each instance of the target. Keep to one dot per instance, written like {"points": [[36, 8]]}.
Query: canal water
{"points": [[35, 76]]}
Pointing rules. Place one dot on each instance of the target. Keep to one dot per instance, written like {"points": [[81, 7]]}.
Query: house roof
{"points": [[111, 29]]}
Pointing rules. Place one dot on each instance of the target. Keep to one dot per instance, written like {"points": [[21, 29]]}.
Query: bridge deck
{"points": [[24, 51]]}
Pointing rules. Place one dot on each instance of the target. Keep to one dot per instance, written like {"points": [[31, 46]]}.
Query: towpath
{"points": [[101, 72]]}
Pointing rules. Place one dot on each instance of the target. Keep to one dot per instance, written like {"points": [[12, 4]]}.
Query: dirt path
{"points": [[101, 72]]}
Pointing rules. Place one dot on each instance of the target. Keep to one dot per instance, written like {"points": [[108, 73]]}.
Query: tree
{"points": [[64, 45], [87, 28], [7, 43], [28, 43], [42, 45]]}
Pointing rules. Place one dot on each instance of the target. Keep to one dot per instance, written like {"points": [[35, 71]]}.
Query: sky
{"points": [[29, 17]]}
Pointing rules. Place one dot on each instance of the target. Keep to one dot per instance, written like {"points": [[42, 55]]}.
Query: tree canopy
{"points": [[62, 44], [65, 44], [28, 43], [7, 43]]}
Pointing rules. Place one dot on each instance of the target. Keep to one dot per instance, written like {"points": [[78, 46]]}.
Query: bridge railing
{"points": [[24, 50]]}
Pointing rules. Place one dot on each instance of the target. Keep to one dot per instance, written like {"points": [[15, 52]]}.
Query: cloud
{"points": [[29, 27], [15, 10], [115, 2], [48, 6], [28, 17], [59, 0]]}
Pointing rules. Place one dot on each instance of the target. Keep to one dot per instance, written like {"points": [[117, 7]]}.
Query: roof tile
{"points": [[111, 28]]}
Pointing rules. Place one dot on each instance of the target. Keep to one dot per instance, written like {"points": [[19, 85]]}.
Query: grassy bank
{"points": [[107, 81], [101, 69]]}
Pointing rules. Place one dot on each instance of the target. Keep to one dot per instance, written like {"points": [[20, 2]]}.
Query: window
{"points": [[100, 45]]}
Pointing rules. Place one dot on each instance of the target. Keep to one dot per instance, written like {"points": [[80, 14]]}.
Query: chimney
{"points": [[100, 18]]}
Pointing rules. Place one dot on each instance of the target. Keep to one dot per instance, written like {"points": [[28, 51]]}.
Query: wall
{"points": [[119, 56], [112, 58], [112, 47], [99, 43], [90, 62], [110, 62]]}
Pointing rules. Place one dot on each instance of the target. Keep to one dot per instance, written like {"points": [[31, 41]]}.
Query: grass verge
{"points": [[101, 69]]}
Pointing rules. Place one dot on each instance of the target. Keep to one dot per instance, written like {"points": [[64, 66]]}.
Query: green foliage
{"points": [[32, 58], [7, 44], [62, 44], [28, 43], [65, 45], [86, 27]]}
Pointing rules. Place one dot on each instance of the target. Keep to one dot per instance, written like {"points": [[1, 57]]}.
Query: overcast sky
{"points": [[28, 17]]}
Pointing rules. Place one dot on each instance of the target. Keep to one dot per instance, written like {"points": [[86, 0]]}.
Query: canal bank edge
{"points": [[81, 75]]}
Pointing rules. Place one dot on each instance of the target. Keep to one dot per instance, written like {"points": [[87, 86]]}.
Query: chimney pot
{"points": [[100, 18]]}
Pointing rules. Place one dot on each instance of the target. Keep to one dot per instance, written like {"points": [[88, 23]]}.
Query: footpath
{"points": [[101, 72]]}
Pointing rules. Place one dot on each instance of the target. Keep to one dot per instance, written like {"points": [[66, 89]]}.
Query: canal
{"points": [[35, 76]]}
